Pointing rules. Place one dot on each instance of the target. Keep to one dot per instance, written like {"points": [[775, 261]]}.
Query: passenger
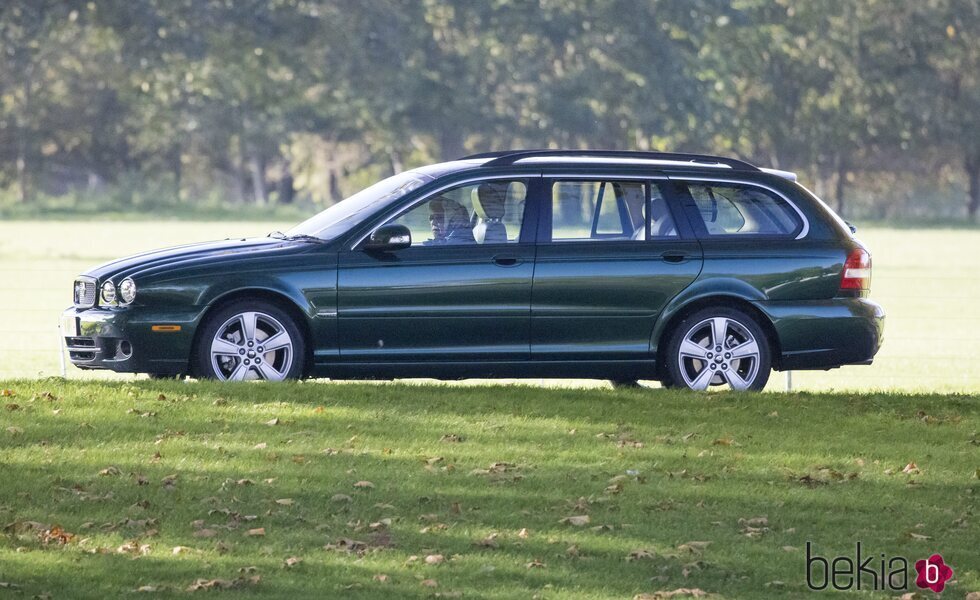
{"points": [[450, 222]]}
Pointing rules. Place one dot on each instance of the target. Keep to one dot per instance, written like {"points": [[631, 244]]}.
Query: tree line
{"points": [[875, 103]]}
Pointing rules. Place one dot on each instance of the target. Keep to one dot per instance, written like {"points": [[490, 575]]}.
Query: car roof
{"points": [[556, 158]]}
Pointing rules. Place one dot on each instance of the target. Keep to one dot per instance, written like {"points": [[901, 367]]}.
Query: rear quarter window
{"points": [[740, 209]]}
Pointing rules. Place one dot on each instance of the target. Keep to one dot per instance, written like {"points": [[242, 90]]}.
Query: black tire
{"points": [[270, 316], [740, 328]]}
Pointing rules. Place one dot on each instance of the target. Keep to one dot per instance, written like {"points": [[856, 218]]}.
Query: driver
{"points": [[450, 222]]}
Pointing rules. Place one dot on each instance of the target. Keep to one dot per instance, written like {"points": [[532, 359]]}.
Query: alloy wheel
{"points": [[252, 345], [718, 351]]}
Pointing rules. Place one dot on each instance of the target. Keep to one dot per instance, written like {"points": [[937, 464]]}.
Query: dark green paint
{"points": [[587, 309]]}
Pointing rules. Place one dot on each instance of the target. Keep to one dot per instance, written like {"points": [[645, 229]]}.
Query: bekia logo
{"points": [[876, 572], [933, 573]]}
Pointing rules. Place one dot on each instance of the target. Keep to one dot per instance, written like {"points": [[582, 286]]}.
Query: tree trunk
{"points": [[973, 187], [451, 143], [286, 192], [335, 194], [239, 170], [257, 169], [841, 184]]}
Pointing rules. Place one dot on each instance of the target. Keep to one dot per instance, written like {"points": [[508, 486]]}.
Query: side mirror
{"points": [[389, 238]]}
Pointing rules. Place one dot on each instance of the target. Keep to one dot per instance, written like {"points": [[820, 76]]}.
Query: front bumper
{"points": [[825, 334], [123, 340]]}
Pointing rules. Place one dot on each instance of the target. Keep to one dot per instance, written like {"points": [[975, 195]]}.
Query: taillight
{"points": [[857, 271]]}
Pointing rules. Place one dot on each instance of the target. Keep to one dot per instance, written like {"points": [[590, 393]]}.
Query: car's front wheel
{"points": [[719, 346], [250, 340]]}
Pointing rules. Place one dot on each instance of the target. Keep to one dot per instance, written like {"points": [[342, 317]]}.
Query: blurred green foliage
{"points": [[152, 105]]}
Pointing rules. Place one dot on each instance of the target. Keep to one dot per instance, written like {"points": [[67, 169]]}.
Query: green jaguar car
{"points": [[693, 270]]}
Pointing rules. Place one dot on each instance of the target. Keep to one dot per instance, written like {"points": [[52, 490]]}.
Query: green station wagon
{"points": [[693, 270]]}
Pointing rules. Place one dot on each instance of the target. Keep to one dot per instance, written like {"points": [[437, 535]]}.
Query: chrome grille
{"points": [[84, 295]]}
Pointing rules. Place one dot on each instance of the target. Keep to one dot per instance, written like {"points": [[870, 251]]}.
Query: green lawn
{"points": [[717, 492]]}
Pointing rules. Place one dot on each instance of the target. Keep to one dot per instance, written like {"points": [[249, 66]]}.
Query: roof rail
{"points": [[504, 158]]}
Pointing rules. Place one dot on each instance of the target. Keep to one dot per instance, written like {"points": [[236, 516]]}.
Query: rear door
{"points": [[611, 252]]}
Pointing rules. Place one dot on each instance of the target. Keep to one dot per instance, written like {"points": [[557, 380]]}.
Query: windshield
{"points": [[341, 216]]}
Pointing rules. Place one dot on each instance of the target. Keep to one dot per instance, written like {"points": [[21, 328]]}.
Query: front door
{"points": [[461, 292], [611, 254]]}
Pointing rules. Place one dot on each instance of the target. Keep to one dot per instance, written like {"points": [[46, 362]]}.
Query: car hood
{"points": [[167, 259]]}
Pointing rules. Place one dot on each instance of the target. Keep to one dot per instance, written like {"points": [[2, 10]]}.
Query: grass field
{"points": [[362, 491], [927, 280]]}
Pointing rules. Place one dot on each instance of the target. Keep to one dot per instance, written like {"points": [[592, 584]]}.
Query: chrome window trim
{"points": [[458, 183], [806, 222]]}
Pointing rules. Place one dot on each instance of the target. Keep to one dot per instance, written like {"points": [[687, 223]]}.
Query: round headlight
{"points": [[127, 290], [108, 292]]}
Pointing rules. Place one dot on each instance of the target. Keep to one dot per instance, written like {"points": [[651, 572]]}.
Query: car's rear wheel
{"points": [[719, 346], [250, 340]]}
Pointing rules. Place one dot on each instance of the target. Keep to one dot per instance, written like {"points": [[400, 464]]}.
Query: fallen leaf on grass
{"points": [[223, 584], [6, 585], [694, 547], [205, 533], [338, 498], [489, 542], [57, 535], [535, 564], [260, 446], [284, 501], [348, 545], [12, 406], [383, 578], [110, 472], [292, 561], [149, 588], [919, 537], [678, 593], [452, 438], [181, 550], [523, 533], [754, 522], [257, 532], [435, 559], [134, 547], [430, 583], [577, 521], [15, 430], [911, 469], [364, 485], [275, 421], [640, 554], [8, 393]]}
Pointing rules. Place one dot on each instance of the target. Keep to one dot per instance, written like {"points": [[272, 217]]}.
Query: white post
{"points": [[61, 351], [789, 381]]}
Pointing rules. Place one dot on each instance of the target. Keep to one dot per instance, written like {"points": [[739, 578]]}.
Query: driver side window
{"points": [[489, 212]]}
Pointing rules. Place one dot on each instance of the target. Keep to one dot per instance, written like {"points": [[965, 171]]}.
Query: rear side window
{"points": [[734, 209], [590, 210]]}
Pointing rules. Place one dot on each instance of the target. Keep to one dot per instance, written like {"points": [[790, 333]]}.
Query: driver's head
{"points": [[446, 216]]}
